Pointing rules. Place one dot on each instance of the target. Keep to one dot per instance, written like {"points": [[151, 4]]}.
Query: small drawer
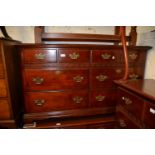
{"points": [[4, 109], [149, 114], [137, 57], [136, 73], [39, 56], [108, 57], [103, 98], [74, 56], [36, 79], [103, 78], [51, 101], [3, 90], [123, 122], [131, 102]]}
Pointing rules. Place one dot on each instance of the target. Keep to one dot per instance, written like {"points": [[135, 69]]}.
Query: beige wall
{"points": [[145, 37]]}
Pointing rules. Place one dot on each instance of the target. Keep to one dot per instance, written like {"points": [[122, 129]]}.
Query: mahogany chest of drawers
{"points": [[136, 104], [10, 85], [73, 81]]}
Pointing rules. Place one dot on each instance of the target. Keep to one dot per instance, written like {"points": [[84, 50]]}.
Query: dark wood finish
{"points": [[142, 95], [10, 85], [73, 56], [41, 79], [52, 101], [85, 73], [39, 56]]}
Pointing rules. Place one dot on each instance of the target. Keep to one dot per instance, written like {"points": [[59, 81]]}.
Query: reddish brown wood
{"points": [[58, 80], [55, 79], [31, 56], [10, 85], [125, 51], [142, 94]]}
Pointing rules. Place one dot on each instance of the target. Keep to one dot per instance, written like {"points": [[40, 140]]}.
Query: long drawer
{"points": [[52, 101], [36, 79]]}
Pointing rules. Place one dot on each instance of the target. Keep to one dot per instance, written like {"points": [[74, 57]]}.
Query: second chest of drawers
{"points": [[73, 80]]}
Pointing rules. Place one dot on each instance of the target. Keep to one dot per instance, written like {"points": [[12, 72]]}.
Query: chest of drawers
{"points": [[10, 85], [74, 81], [136, 104]]}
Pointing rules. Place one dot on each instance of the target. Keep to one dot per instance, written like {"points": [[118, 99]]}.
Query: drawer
{"points": [[4, 109], [108, 57], [103, 98], [74, 56], [137, 57], [123, 122], [3, 90], [39, 56], [131, 102], [149, 114], [36, 79], [136, 73], [51, 101], [103, 78]]}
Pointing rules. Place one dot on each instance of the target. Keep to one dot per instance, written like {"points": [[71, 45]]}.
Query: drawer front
{"points": [[108, 57], [136, 73], [36, 79], [149, 114], [103, 78], [123, 122], [74, 56], [104, 98], [51, 101], [39, 56], [4, 109], [131, 102], [3, 90], [137, 57]]}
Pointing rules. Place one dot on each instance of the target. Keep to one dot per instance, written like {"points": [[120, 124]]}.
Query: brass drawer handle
{"points": [[77, 99], [152, 111], [78, 78], [38, 80], [133, 76], [74, 56], [33, 125], [101, 77], [40, 56], [106, 56], [100, 98], [39, 102], [133, 56], [122, 123], [118, 71], [58, 124], [126, 100]]}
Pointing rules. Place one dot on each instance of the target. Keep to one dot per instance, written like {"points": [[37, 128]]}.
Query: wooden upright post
{"points": [[133, 36], [38, 30]]}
